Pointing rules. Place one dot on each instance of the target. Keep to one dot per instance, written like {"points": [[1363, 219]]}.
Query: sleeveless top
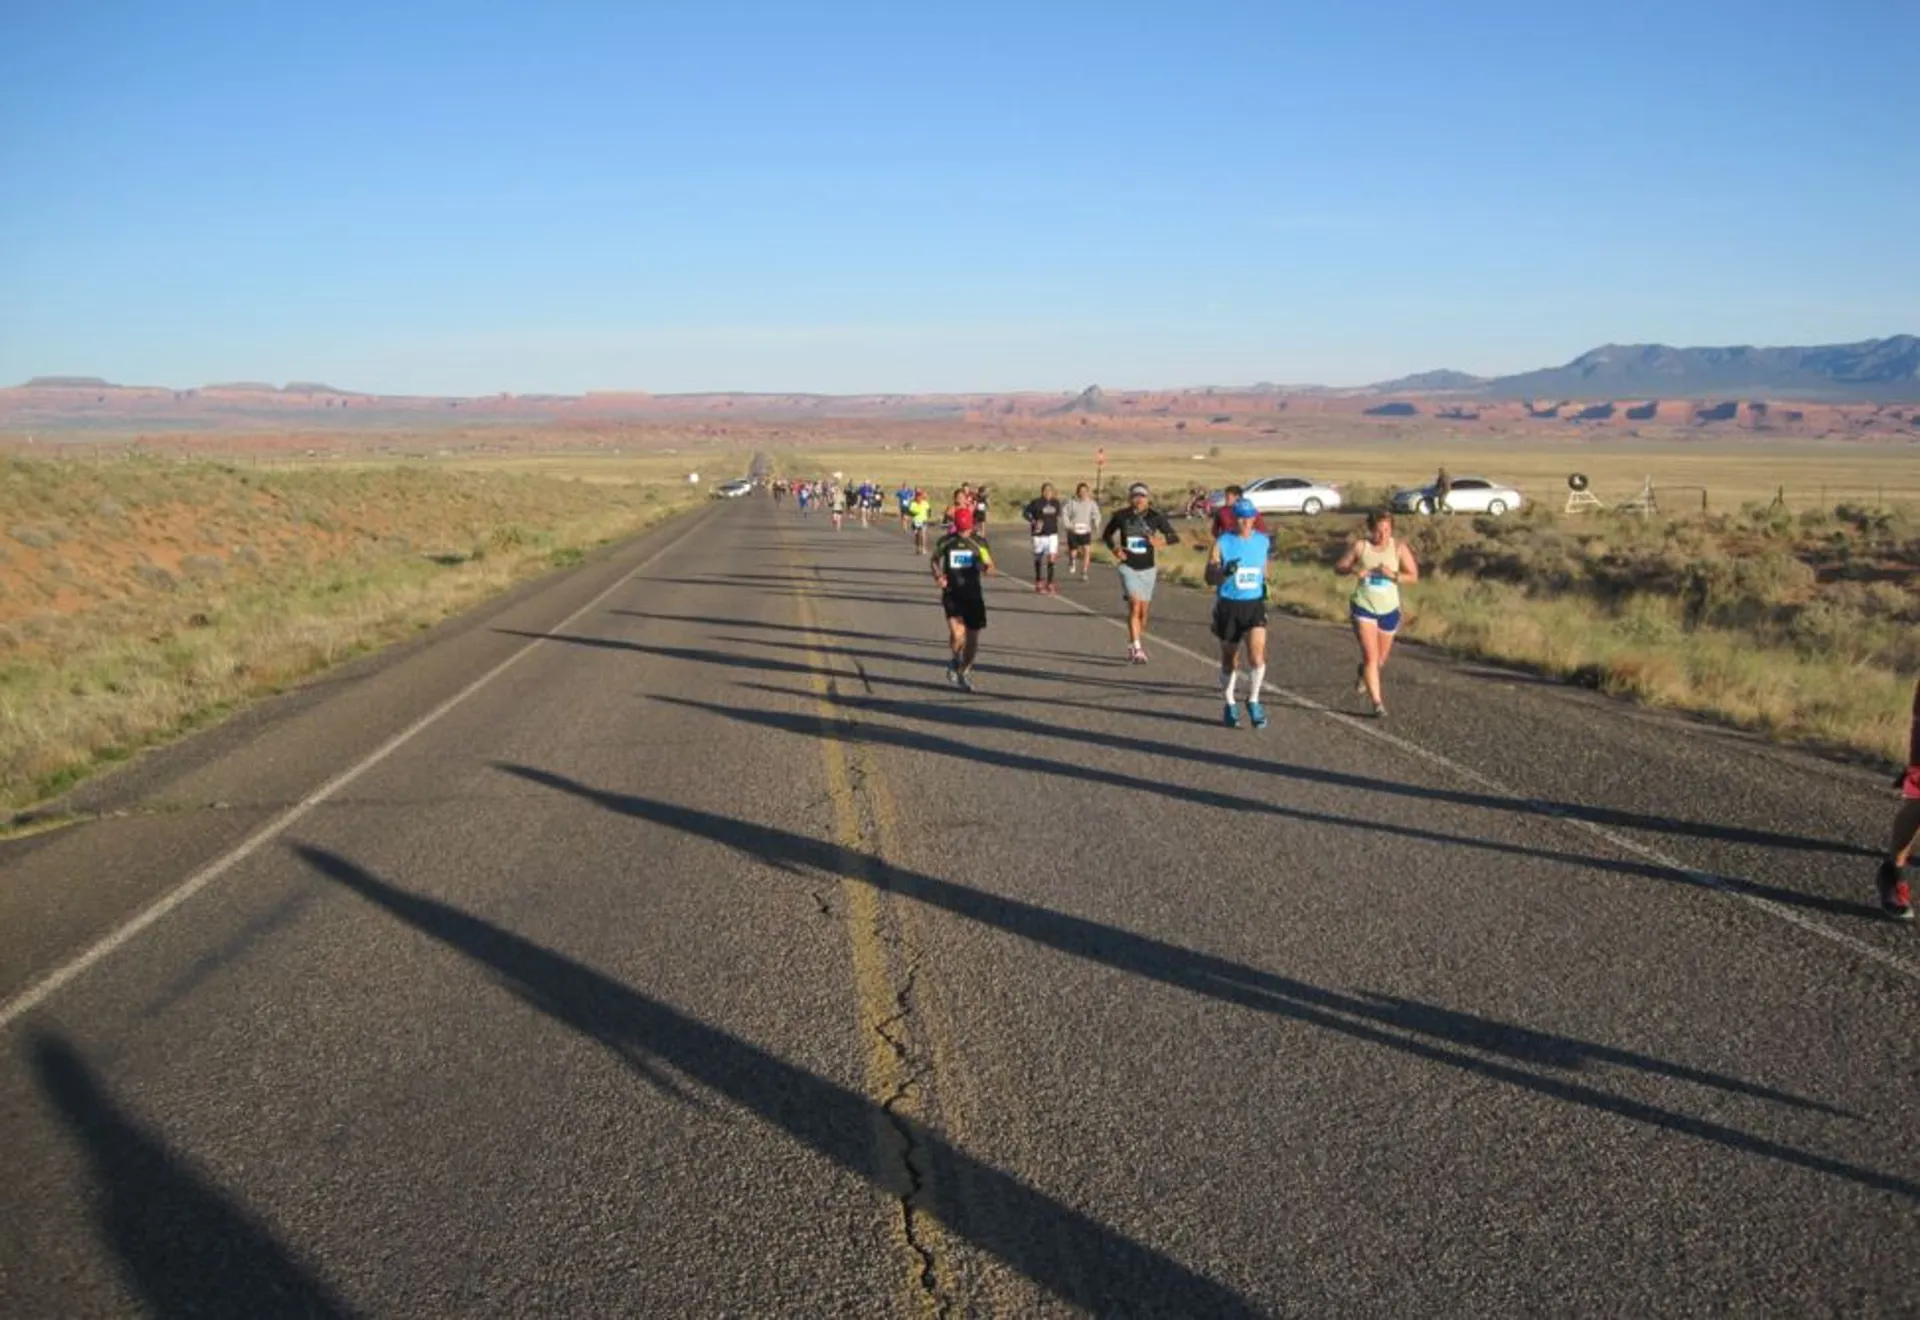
{"points": [[1377, 592], [1248, 581]]}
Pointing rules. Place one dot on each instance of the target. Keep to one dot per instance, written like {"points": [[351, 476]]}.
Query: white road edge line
{"points": [[36, 994], [1903, 966]]}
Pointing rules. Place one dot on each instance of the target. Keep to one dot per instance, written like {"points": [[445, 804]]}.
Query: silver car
{"points": [[1292, 495], [1464, 495]]}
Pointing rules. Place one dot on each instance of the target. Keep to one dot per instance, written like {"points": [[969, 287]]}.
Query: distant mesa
{"points": [[1090, 400], [1395, 409], [1430, 382], [309, 387], [244, 387], [69, 383]]}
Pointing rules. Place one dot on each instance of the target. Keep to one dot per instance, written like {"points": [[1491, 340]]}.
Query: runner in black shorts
{"points": [[1082, 515], [960, 561], [1237, 569]]}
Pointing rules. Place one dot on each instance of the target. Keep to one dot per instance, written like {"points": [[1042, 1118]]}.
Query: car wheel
{"points": [[1495, 508], [1426, 507], [1312, 508]]}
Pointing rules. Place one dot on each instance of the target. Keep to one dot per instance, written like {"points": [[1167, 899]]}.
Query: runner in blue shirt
{"points": [[1237, 569]]}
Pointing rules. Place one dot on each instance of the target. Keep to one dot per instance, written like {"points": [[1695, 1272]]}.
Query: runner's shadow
{"points": [[184, 1247], [706, 656], [1406, 1026], [987, 666], [1561, 810], [1079, 1260], [887, 735]]}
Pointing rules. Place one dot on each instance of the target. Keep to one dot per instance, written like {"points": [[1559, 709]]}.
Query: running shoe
{"points": [[1895, 899], [953, 674], [965, 679], [1258, 714], [1137, 655], [1379, 710], [1039, 587], [1360, 681], [1230, 716]]}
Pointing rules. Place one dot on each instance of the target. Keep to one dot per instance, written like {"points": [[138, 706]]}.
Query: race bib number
{"points": [[1379, 580], [959, 559], [1248, 579], [1138, 545]]}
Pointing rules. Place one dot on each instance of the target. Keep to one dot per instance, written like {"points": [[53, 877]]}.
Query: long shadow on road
{"points": [[183, 1246], [1423, 1031], [973, 717], [1076, 1258], [885, 735]]}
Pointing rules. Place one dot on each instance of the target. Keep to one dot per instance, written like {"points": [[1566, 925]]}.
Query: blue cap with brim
{"points": [[1243, 508]]}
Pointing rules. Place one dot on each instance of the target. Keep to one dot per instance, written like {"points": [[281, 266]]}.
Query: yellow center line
{"points": [[897, 1080]]}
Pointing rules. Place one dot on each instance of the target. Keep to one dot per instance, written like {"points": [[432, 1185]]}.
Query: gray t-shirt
{"points": [[1081, 516]]}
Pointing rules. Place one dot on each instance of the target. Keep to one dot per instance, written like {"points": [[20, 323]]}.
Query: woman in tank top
{"points": [[1381, 563]]}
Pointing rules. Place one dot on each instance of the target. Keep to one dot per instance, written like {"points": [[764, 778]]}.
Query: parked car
{"points": [[1464, 495], [1292, 495], [733, 490]]}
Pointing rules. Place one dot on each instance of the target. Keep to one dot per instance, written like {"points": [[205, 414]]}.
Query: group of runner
{"points": [[961, 558], [1236, 569]]}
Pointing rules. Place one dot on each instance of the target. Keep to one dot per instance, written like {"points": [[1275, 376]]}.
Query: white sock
{"points": [[1259, 677], [1229, 681]]}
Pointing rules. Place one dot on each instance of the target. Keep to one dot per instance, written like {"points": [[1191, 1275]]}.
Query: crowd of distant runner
{"points": [[954, 541]]}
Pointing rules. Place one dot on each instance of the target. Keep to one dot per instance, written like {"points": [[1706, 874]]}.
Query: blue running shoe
{"points": [[1258, 714], [1230, 716]]}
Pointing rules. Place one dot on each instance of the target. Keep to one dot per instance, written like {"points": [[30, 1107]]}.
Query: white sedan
{"points": [[1464, 495], [1292, 495], [733, 490]]}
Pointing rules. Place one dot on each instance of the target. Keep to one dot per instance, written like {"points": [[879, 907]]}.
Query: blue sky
{"points": [[467, 198]]}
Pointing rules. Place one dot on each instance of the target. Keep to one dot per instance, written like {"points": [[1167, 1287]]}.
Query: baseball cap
{"points": [[1138, 488], [1243, 508]]}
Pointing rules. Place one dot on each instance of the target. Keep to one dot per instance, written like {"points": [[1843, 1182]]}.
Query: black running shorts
{"points": [[1079, 540], [1234, 619], [970, 607]]}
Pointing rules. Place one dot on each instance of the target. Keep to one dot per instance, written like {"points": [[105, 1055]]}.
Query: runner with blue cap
{"points": [[1237, 570]]}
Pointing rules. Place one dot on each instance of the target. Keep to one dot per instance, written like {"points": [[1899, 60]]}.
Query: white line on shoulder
{"points": [[1894, 961], [36, 994]]}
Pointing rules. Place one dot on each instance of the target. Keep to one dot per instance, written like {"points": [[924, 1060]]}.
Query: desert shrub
{"points": [[203, 568], [154, 576]]}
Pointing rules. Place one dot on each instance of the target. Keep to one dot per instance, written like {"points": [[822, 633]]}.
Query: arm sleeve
{"points": [[1108, 532], [1166, 530]]}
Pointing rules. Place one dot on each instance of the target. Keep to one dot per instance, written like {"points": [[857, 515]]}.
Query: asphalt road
{"points": [[670, 939]]}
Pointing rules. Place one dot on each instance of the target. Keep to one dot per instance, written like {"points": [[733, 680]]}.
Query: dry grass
{"points": [[140, 599], [1799, 625]]}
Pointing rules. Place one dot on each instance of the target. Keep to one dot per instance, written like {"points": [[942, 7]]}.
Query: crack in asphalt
{"points": [[895, 1032]]}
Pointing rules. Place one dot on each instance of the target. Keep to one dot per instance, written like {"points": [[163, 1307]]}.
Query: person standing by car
{"points": [[1223, 518], [1237, 569], [1131, 536], [1896, 897], [1382, 564], [1082, 514], [1442, 487]]}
